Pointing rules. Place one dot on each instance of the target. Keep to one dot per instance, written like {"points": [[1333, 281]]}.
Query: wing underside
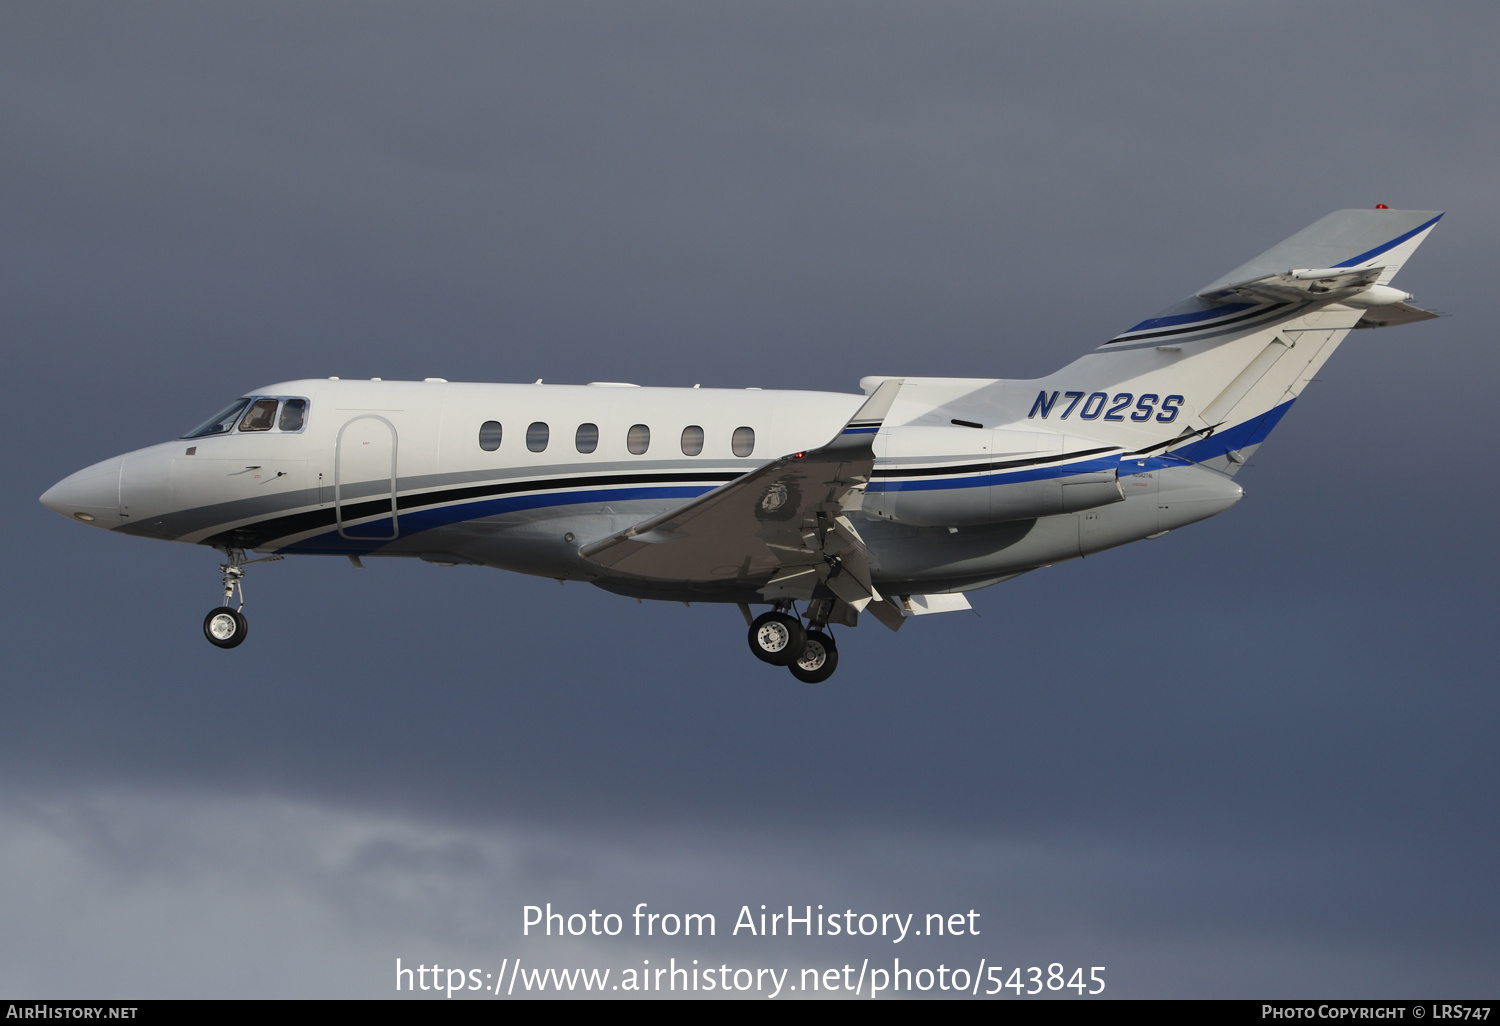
{"points": [[783, 524]]}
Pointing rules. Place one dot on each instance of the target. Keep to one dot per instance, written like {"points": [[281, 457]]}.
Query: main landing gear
{"points": [[780, 639], [818, 660], [225, 626]]}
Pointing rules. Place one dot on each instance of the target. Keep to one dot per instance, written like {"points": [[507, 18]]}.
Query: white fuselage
{"points": [[462, 473]]}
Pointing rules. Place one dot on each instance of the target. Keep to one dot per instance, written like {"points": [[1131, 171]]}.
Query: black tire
{"points": [[225, 627], [818, 660], [777, 638]]}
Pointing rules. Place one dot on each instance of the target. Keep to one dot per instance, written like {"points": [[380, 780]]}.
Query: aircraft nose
{"points": [[92, 495]]}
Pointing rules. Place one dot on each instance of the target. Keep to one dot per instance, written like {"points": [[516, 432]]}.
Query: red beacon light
{"points": [[1381, 206]]}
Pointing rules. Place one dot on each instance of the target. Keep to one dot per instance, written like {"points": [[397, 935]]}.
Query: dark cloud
{"points": [[1261, 743]]}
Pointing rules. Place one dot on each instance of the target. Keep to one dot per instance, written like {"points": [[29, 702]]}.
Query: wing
{"points": [[784, 523]]}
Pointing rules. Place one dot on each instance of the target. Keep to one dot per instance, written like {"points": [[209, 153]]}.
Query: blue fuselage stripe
{"points": [[441, 516]]}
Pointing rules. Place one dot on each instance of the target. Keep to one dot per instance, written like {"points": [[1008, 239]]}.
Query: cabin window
{"points": [[692, 440], [260, 416], [222, 422], [587, 438], [536, 436], [743, 442], [638, 439], [293, 415], [489, 435]]}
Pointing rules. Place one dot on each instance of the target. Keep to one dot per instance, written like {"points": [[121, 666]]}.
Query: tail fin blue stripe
{"points": [[1251, 432], [1189, 318], [1370, 254]]}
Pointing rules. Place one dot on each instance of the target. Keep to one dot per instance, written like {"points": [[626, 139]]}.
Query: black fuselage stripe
{"points": [[980, 468], [485, 491], [312, 520]]}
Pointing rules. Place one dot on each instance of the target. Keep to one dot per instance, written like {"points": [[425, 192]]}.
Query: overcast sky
{"points": [[1254, 758]]}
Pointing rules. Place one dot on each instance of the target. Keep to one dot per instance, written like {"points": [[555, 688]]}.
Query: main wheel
{"points": [[776, 638], [818, 660], [225, 627]]}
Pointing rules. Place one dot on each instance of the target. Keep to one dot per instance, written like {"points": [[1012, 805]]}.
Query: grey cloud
{"points": [[244, 896]]}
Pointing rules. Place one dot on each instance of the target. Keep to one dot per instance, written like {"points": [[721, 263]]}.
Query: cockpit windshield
{"points": [[255, 413], [260, 416], [220, 423]]}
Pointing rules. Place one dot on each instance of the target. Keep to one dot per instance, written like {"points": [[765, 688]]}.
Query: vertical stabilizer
{"points": [[1207, 378]]}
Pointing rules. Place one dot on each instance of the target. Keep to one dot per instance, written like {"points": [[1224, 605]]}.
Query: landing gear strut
{"points": [[225, 626]]}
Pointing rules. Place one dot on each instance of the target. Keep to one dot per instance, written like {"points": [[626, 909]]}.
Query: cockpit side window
{"points": [[220, 423], [260, 416], [293, 415]]}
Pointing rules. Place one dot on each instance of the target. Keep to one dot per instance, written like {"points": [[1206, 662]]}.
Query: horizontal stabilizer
{"points": [[1298, 285], [1350, 255], [1396, 313]]}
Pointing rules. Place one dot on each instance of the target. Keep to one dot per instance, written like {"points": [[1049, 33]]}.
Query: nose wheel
{"points": [[226, 626]]}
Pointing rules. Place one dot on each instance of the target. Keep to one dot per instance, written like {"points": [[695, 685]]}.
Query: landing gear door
{"points": [[364, 479]]}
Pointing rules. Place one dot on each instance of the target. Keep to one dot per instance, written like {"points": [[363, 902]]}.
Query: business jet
{"points": [[823, 506]]}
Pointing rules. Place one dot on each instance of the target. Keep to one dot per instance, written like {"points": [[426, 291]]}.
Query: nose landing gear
{"points": [[225, 626]]}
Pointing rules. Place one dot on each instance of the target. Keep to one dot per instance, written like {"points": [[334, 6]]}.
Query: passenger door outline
{"points": [[339, 462]]}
